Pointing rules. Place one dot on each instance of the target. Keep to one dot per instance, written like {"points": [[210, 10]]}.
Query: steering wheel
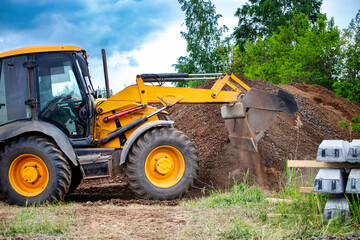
{"points": [[56, 101]]}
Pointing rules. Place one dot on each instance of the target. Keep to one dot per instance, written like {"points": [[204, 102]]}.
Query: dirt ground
{"points": [[134, 222], [113, 191], [109, 221]]}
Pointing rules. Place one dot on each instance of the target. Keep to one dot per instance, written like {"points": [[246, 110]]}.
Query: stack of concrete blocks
{"points": [[338, 181]]}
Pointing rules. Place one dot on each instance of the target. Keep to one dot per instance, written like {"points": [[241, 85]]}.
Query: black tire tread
{"points": [[76, 179], [131, 172], [61, 164]]}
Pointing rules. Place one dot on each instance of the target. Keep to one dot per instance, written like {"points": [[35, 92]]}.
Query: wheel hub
{"points": [[30, 174], [163, 165]]}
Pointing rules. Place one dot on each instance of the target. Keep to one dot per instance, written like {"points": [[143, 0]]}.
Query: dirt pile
{"points": [[295, 136]]}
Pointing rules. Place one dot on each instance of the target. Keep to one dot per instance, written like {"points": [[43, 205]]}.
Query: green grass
{"points": [[303, 218], [238, 213], [47, 219], [239, 230]]}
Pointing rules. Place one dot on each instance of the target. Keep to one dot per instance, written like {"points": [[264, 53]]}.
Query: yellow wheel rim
{"points": [[164, 166], [28, 175]]}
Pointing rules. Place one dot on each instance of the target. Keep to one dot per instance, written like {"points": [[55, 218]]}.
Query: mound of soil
{"points": [[295, 136]]}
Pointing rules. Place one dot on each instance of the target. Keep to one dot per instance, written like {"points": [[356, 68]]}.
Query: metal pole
{"points": [[176, 79], [105, 73], [206, 74]]}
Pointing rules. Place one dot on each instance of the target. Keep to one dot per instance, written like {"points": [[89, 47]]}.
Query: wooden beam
{"points": [[275, 200], [306, 189], [314, 164], [274, 215]]}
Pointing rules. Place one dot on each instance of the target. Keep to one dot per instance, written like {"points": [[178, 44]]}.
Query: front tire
{"points": [[33, 170], [162, 164], [76, 179]]}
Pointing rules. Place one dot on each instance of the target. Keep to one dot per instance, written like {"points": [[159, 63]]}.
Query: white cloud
{"points": [[227, 9], [96, 6], [156, 55], [342, 11], [158, 52]]}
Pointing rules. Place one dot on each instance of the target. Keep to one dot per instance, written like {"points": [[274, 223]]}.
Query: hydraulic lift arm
{"points": [[168, 96]]}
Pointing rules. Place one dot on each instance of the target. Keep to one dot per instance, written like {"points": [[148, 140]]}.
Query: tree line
{"points": [[281, 41]]}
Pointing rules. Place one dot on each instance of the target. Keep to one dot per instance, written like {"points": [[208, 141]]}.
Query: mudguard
{"points": [[138, 132], [18, 128]]}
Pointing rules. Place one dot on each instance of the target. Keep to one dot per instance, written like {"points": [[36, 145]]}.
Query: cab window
{"points": [[14, 90], [60, 96]]}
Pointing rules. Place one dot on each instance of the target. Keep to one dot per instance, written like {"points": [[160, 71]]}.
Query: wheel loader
{"points": [[55, 129]]}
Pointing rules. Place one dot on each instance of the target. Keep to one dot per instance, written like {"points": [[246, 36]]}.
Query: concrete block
{"points": [[330, 180], [332, 151], [353, 154], [336, 206], [353, 182]]}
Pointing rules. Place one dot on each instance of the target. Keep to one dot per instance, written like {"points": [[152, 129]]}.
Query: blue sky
{"points": [[115, 25], [139, 35]]}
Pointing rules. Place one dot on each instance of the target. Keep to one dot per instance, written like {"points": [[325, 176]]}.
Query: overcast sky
{"points": [[140, 36]]}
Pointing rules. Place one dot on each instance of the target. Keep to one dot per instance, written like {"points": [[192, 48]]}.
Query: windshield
{"points": [[58, 80]]}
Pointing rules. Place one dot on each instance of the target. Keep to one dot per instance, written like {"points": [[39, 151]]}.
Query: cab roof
{"points": [[39, 49]]}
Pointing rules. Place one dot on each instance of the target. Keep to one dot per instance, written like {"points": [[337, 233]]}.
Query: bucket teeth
{"points": [[235, 110], [289, 100]]}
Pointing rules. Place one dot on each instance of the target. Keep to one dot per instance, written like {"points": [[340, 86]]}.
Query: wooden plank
{"points": [[314, 164], [306, 189], [275, 200], [274, 215]]}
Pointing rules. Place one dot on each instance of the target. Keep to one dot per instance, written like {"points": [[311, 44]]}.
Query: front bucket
{"points": [[248, 119]]}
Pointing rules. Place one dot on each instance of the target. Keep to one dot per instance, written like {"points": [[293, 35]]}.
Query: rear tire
{"points": [[162, 164], [33, 170]]}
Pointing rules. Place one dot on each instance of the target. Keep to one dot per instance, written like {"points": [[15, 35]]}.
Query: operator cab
{"points": [[52, 86]]}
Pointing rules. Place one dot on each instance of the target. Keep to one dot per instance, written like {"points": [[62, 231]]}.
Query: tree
{"points": [[302, 51], [261, 18], [353, 126], [102, 92], [349, 84], [203, 37]]}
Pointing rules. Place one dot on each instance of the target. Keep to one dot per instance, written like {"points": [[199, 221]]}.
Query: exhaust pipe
{"points": [[105, 73]]}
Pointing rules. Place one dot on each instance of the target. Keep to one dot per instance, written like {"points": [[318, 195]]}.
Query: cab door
{"points": [[61, 96]]}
